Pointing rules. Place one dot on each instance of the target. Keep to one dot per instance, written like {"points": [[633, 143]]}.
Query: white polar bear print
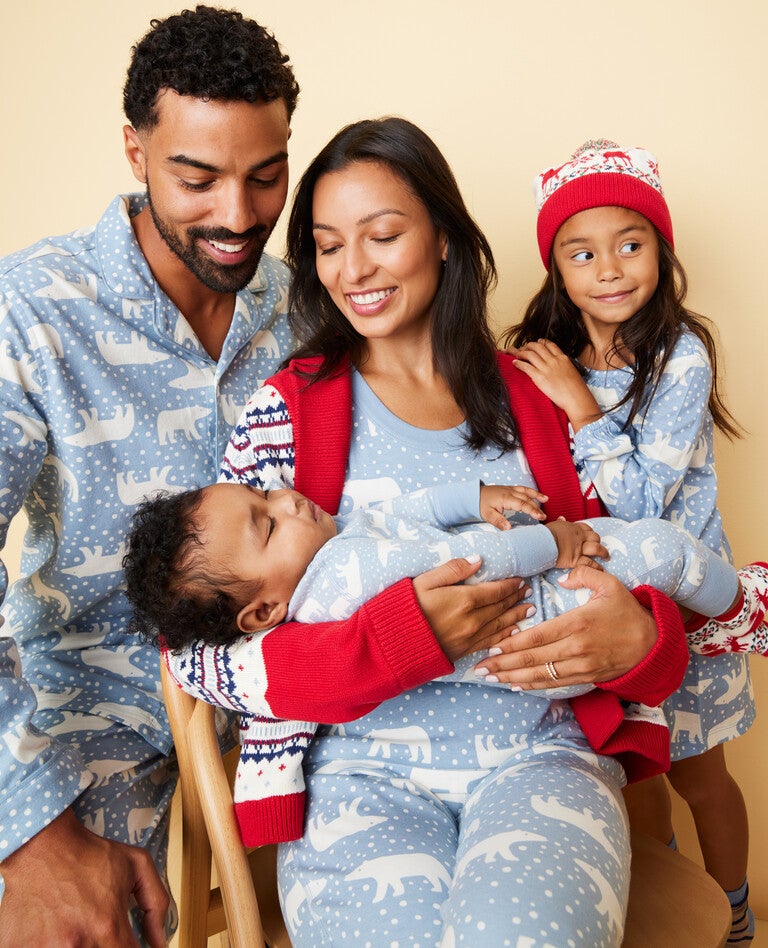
{"points": [[685, 722], [103, 769], [497, 847], [95, 562], [30, 430], [608, 904], [18, 371], [25, 746], [135, 350], [180, 422], [449, 785], [389, 872], [45, 336], [139, 820], [97, 430], [323, 835], [297, 896], [584, 820], [415, 738], [60, 288], [131, 491]]}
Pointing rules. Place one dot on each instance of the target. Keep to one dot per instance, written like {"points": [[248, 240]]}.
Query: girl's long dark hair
{"points": [[650, 335], [462, 342]]}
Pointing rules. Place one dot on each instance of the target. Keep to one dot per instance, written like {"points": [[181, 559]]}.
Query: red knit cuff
{"points": [[642, 749], [273, 820], [661, 672], [416, 657]]}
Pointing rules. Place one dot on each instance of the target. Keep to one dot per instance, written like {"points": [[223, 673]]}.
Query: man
{"points": [[126, 354]]}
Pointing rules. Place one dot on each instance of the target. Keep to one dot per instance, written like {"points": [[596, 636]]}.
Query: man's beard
{"points": [[221, 278]]}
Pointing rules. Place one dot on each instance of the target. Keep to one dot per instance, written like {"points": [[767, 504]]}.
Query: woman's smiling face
{"points": [[378, 254]]}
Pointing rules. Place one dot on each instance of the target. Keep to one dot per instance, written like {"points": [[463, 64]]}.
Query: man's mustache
{"points": [[222, 234]]}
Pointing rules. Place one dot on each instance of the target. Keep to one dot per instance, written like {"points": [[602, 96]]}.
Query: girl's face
{"points": [[378, 254], [609, 260]]}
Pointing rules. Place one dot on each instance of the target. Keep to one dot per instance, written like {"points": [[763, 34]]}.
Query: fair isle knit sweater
{"points": [[303, 441]]}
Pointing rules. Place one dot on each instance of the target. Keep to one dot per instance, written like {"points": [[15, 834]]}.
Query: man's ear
{"points": [[258, 616], [134, 152]]}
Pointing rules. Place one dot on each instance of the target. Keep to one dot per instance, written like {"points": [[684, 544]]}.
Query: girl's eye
{"points": [[385, 240], [327, 251], [582, 256], [631, 246]]}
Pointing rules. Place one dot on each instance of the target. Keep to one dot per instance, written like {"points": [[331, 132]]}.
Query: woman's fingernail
{"points": [[472, 558], [521, 584], [491, 678], [515, 688], [513, 630], [530, 611], [481, 672], [494, 651], [527, 592]]}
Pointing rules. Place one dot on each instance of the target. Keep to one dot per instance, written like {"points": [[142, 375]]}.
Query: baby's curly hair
{"points": [[210, 54], [176, 594]]}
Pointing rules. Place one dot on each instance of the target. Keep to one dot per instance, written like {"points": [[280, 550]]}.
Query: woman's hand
{"points": [[495, 499], [598, 641], [553, 373], [466, 619]]}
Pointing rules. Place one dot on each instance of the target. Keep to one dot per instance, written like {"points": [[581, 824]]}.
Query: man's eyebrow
{"points": [[364, 220], [190, 162]]}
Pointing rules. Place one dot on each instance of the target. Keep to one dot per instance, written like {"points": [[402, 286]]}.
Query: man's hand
{"points": [[495, 499], [69, 887], [577, 543], [466, 619], [598, 641]]}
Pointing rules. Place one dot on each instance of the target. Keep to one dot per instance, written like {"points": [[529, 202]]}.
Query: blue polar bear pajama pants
{"points": [[459, 814]]}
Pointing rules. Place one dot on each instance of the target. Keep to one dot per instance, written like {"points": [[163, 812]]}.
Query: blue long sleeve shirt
{"points": [[106, 396]]}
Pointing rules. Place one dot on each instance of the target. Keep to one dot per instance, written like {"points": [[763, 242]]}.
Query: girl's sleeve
{"points": [[638, 471]]}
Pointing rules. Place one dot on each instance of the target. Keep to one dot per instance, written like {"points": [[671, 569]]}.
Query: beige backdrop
{"points": [[505, 87]]}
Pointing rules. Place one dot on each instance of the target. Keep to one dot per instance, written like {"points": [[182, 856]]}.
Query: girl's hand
{"points": [[599, 641], [496, 498], [577, 543], [553, 373]]}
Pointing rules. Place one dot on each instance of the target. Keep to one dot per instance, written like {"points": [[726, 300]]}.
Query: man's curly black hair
{"points": [[209, 54], [176, 594]]}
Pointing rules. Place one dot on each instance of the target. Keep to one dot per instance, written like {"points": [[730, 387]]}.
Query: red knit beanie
{"points": [[599, 174]]}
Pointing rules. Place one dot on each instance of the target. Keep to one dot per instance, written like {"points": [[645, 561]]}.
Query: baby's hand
{"points": [[495, 499], [577, 543]]}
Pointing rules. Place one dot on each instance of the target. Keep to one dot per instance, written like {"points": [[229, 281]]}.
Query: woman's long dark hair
{"points": [[462, 342], [650, 335]]}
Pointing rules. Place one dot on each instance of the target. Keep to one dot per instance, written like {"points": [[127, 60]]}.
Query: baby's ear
{"points": [[258, 616]]}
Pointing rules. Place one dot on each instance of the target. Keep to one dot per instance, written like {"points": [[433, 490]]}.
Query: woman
{"points": [[459, 810]]}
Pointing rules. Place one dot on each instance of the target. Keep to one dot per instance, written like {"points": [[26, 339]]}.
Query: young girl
{"points": [[608, 339]]}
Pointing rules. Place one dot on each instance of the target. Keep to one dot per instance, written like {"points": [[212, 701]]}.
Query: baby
{"points": [[226, 560]]}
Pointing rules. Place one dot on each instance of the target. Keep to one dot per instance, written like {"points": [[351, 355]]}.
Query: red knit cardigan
{"points": [[321, 415]]}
